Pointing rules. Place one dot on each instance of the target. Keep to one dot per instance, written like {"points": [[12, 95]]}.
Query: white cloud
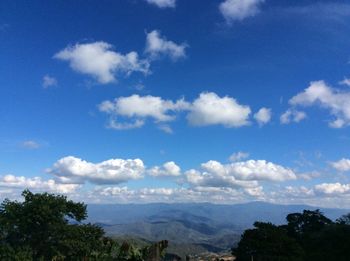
{"points": [[157, 46], [341, 165], [173, 195], [141, 107], [36, 183], [113, 124], [238, 156], [163, 3], [320, 94], [169, 169], [49, 81], [166, 128], [207, 109], [292, 115], [346, 82], [30, 144], [99, 60], [244, 174], [210, 109], [238, 10], [114, 171], [263, 116], [333, 188]]}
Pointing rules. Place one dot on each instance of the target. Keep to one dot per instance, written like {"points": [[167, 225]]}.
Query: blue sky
{"points": [[178, 101]]}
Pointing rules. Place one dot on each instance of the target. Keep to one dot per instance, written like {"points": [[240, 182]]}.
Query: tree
{"points": [[267, 242], [47, 226], [309, 228], [307, 222]]}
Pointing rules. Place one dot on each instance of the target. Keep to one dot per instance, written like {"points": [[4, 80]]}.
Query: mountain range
{"points": [[190, 227]]}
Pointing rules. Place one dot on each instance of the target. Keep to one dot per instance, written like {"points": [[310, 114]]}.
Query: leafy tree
{"points": [[307, 222], [308, 236], [267, 242], [47, 226]]}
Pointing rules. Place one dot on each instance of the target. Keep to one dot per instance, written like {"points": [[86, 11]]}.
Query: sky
{"points": [[139, 101]]}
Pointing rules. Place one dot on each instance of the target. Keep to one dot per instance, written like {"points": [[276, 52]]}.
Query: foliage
{"points": [[267, 242], [49, 227], [307, 236]]}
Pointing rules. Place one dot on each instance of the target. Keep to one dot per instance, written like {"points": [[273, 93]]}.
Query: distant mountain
{"points": [[241, 216], [195, 227]]}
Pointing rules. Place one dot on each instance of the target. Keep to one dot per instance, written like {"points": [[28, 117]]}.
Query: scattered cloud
{"points": [[309, 175], [169, 169], [320, 94], [263, 116], [163, 3], [341, 165], [238, 10], [207, 109], [48, 81], [292, 115], [114, 171], [210, 109], [172, 195], [158, 46], [245, 174], [99, 60], [238, 156], [333, 188], [37, 184], [113, 124], [166, 128], [30, 144], [141, 107], [346, 82]]}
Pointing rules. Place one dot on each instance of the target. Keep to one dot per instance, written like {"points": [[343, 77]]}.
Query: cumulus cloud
{"points": [[320, 94], [263, 116], [30, 144], [37, 184], [292, 115], [210, 109], [238, 156], [245, 174], [207, 109], [142, 107], [333, 188], [169, 169], [341, 165], [114, 171], [173, 195], [238, 10], [99, 60], [163, 3], [48, 81], [157, 46]]}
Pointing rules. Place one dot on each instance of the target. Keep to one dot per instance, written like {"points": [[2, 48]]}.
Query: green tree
{"points": [[47, 226], [267, 242], [309, 229]]}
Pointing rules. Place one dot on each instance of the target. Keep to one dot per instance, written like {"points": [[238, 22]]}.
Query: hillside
{"points": [[191, 228]]}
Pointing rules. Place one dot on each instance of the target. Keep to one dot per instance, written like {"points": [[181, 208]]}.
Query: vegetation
{"points": [[306, 236], [49, 227]]}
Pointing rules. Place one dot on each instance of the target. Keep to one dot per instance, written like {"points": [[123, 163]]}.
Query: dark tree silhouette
{"points": [[308, 236], [267, 242]]}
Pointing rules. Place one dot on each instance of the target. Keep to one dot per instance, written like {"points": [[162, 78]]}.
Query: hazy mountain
{"points": [[196, 226]]}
